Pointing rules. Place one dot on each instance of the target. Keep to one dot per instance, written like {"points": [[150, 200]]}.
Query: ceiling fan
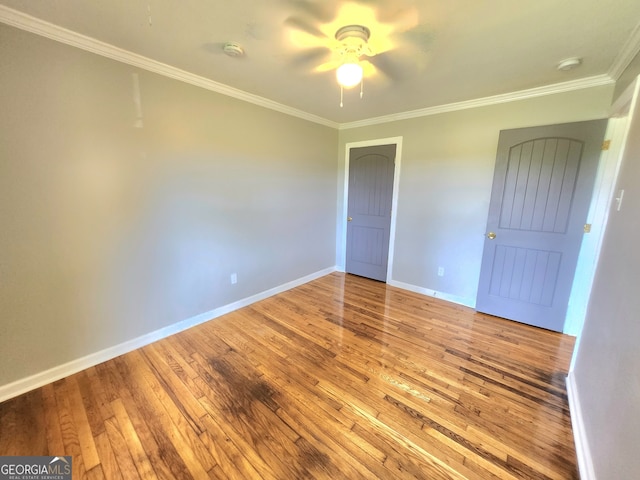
{"points": [[361, 39]]}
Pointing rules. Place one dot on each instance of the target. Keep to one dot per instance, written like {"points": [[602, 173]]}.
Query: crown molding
{"points": [[626, 55], [40, 27], [54, 32], [594, 81]]}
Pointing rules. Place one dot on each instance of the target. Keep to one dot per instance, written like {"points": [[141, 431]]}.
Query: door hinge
{"points": [[587, 228], [606, 144]]}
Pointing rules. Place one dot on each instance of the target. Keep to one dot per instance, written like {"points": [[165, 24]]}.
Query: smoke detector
{"points": [[569, 63], [233, 49]]}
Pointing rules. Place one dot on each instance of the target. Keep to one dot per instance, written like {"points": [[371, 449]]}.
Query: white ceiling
{"points": [[438, 52]]}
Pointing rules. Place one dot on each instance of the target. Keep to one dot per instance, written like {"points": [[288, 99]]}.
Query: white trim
{"points": [[467, 302], [626, 100], [397, 141], [56, 373], [54, 32], [394, 207], [595, 81], [601, 199], [585, 462], [626, 55], [621, 117]]}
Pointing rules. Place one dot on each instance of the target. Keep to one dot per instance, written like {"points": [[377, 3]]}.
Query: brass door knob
{"points": [[349, 219], [491, 235]]}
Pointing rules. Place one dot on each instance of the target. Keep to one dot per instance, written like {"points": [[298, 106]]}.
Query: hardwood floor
{"points": [[340, 378]]}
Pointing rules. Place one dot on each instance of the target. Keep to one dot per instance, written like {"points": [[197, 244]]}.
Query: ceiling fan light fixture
{"points": [[354, 40], [349, 74]]}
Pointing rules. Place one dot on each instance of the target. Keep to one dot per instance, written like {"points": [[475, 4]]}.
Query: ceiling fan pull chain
{"points": [[341, 95], [361, 88]]}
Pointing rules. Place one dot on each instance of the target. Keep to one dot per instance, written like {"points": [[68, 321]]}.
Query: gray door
{"points": [[369, 210], [542, 188]]}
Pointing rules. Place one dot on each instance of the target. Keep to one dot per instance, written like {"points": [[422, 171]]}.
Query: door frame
{"points": [[601, 202], [604, 196], [342, 221], [604, 199]]}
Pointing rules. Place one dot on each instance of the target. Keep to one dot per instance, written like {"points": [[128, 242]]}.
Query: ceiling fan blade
{"points": [[374, 76], [402, 16], [322, 11], [401, 63], [304, 26], [311, 56], [419, 38], [368, 69], [328, 66], [385, 64]]}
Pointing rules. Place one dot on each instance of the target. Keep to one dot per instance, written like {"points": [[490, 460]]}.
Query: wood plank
{"points": [[109, 466], [55, 446], [87, 445], [69, 430], [169, 423], [126, 433], [160, 450], [342, 377]]}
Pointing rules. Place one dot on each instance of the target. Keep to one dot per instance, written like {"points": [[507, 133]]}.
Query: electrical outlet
{"points": [[234, 278], [441, 271]]}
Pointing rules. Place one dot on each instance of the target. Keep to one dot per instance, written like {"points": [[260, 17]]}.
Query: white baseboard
{"points": [[467, 302], [585, 463], [56, 373]]}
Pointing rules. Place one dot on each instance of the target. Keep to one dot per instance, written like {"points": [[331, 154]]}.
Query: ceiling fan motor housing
{"points": [[354, 40], [353, 31]]}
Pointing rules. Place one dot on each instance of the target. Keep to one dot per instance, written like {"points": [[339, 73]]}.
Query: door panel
{"points": [[541, 177], [371, 172], [539, 203], [525, 274]]}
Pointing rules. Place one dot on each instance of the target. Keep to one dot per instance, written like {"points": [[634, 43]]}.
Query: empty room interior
{"points": [[320, 239]]}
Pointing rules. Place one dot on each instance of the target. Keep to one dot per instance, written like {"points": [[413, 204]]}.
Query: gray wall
{"points": [[607, 364], [109, 232], [445, 183]]}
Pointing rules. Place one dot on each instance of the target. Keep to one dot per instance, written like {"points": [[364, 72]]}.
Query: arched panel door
{"points": [[370, 197], [542, 187]]}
